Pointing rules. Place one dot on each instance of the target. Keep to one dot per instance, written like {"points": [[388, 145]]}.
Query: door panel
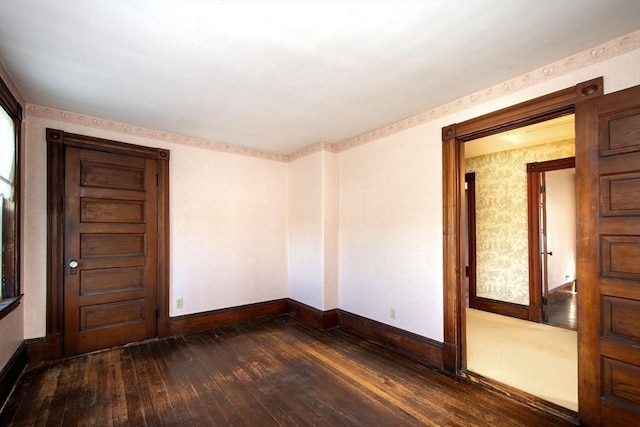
{"points": [[109, 280], [111, 231], [610, 262], [116, 245]]}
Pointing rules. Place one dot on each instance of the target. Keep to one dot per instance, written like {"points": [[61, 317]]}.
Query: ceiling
{"points": [[279, 76], [557, 129]]}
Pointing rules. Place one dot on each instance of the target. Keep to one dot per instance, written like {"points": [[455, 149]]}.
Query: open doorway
{"points": [[552, 214], [559, 274], [607, 155], [503, 248], [507, 237], [552, 226]]}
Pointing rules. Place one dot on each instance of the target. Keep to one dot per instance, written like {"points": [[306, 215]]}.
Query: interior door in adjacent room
{"points": [[110, 249]]}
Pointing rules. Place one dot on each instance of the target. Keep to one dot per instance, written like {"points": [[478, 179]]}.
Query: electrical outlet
{"points": [[393, 314], [179, 303]]}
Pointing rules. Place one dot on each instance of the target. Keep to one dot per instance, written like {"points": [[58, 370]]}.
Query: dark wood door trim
{"points": [[453, 138], [534, 171], [57, 141], [470, 180]]}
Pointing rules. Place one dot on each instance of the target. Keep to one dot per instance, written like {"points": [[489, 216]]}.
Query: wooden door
{"points": [[110, 249], [608, 264]]}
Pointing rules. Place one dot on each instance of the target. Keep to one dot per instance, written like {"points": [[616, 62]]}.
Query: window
{"points": [[10, 118]]}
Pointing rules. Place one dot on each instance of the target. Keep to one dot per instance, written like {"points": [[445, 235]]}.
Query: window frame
{"points": [[13, 108]]}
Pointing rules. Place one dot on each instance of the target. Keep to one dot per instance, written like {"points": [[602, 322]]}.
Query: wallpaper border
{"points": [[311, 149], [572, 63], [569, 64], [128, 129]]}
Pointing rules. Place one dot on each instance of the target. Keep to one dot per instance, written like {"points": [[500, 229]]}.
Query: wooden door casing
{"points": [[453, 139], [608, 264], [123, 207], [470, 180]]}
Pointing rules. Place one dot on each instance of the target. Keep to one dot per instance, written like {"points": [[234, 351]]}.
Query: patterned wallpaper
{"points": [[501, 218]]}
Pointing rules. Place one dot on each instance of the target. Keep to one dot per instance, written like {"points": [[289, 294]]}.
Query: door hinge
{"points": [[543, 189], [545, 300], [157, 180]]}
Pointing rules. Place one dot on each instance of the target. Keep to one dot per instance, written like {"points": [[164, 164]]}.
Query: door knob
{"points": [[73, 267]]}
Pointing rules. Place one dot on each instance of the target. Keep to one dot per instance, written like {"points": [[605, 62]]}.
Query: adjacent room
{"points": [[320, 213], [501, 215]]}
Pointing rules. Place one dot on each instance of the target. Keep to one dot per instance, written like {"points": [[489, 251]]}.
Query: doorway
{"points": [[503, 172], [552, 233], [607, 148], [551, 106], [501, 344], [107, 243]]}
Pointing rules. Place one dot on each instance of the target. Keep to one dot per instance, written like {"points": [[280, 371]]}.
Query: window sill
{"points": [[8, 305]]}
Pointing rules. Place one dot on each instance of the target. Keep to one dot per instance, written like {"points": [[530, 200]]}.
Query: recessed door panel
{"points": [[124, 175], [127, 211], [108, 280], [112, 315], [102, 245]]}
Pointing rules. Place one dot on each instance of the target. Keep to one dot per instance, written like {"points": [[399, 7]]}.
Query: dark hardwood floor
{"points": [[269, 372], [564, 313]]}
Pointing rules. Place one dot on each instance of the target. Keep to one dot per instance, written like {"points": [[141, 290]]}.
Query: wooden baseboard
{"points": [[198, 322], [504, 308], [410, 345], [11, 372], [415, 347], [45, 348], [36, 350], [561, 292], [312, 317]]}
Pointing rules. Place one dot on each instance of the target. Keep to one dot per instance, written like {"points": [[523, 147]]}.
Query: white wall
{"points": [[11, 327], [229, 228], [228, 218], [331, 232], [391, 231], [391, 209], [313, 230], [561, 226], [306, 269]]}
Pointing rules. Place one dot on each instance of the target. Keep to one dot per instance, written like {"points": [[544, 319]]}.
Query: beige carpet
{"points": [[535, 358]]}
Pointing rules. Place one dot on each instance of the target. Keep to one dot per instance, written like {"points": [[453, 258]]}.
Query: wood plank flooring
{"points": [[263, 373], [564, 313]]}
